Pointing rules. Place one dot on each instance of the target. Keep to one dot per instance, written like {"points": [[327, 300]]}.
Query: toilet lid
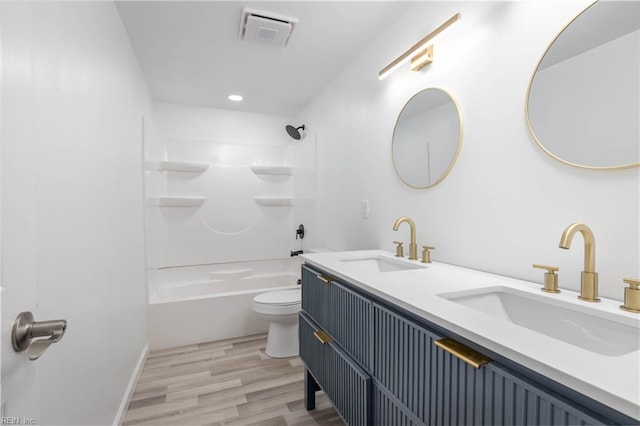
{"points": [[284, 297]]}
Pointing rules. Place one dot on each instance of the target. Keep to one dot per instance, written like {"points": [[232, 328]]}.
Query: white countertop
{"points": [[612, 380]]}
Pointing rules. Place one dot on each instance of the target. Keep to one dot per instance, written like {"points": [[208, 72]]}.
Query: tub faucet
{"points": [[413, 247], [589, 277]]}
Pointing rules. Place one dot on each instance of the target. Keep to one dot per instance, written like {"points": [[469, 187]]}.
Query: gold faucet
{"points": [[413, 247], [589, 277]]}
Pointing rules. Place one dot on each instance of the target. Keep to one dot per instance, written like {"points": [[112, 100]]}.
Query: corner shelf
{"points": [[177, 166], [176, 201], [272, 170], [274, 201]]}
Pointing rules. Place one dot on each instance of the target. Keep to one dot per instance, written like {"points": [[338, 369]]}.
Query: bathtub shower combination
{"points": [[202, 303], [221, 221]]}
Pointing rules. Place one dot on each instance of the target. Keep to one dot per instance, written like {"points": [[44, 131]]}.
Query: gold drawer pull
{"points": [[323, 337], [466, 354], [325, 279]]}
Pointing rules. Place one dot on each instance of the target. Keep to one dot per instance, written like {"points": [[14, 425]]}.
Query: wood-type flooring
{"points": [[228, 382]]}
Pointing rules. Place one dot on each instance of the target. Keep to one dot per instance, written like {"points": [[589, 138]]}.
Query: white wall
{"points": [[70, 69], [230, 226], [505, 203]]}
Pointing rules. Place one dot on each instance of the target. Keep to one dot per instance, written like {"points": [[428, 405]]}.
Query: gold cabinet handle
{"points": [[323, 337], [324, 278], [466, 354]]}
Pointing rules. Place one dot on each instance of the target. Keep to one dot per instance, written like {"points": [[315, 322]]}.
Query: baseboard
{"points": [[122, 411]]}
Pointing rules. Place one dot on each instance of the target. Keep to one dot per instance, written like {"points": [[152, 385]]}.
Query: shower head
{"points": [[294, 132]]}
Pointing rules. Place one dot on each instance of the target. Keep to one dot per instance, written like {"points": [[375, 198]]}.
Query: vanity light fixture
{"points": [[235, 98], [421, 53]]}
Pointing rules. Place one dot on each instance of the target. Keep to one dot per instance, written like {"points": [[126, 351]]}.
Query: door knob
{"points": [[35, 337]]}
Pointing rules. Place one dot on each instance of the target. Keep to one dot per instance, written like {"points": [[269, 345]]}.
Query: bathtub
{"points": [[203, 303]]}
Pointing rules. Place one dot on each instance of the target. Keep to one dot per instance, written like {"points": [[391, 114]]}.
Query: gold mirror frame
{"points": [[458, 147], [526, 108]]}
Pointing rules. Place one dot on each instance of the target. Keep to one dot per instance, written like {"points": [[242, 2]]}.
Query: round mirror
{"points": [[427, 138], [583, 103]]}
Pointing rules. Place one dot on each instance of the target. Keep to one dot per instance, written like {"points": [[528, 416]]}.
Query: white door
{"points": [[71, 208], [18, 292]]}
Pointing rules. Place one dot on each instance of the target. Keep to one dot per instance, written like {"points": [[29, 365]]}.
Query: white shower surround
{"points": [[239, 238]]}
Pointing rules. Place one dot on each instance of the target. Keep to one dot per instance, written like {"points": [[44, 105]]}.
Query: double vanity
{"points": [[394, 341]]}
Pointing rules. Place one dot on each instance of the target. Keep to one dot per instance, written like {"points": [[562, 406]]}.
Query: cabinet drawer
{"points": [[315, 295], [344, 382], [349, 322], [402, 361], [311, 349]]}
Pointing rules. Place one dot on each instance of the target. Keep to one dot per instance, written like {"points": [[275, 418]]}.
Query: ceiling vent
{"points": [[266, 28]]}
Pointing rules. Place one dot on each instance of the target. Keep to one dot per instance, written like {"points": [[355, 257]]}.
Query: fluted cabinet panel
{"points": [[315, 294], [348, 387], [509, 400], [312, 351], [349, 322], [345, 383], [403, 361], [457, 396], [387, 411]]}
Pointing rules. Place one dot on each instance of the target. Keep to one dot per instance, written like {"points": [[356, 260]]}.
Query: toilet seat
{"points": [[279, 298], [285, 302]]}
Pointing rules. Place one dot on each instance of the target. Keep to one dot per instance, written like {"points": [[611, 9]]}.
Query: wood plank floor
{"points": [[226, 382]]}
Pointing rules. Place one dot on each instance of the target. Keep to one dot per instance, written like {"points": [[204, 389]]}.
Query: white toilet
{"points": [[281, 309]]}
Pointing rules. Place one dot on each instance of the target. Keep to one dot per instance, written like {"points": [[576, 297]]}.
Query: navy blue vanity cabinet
{"points": [[428, 385], [380, 365]]}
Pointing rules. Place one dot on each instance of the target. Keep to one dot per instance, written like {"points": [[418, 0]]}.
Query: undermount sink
{"points": [[597, 331], [381, 264]]}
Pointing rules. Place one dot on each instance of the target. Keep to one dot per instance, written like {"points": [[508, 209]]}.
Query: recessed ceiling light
{"points": [[235, 98]]}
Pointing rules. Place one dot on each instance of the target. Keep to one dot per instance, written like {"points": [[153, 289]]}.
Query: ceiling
{"points": [[191, 53]]}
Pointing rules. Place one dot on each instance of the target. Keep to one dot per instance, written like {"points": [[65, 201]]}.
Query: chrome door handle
{"points": [[35, 337]]}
